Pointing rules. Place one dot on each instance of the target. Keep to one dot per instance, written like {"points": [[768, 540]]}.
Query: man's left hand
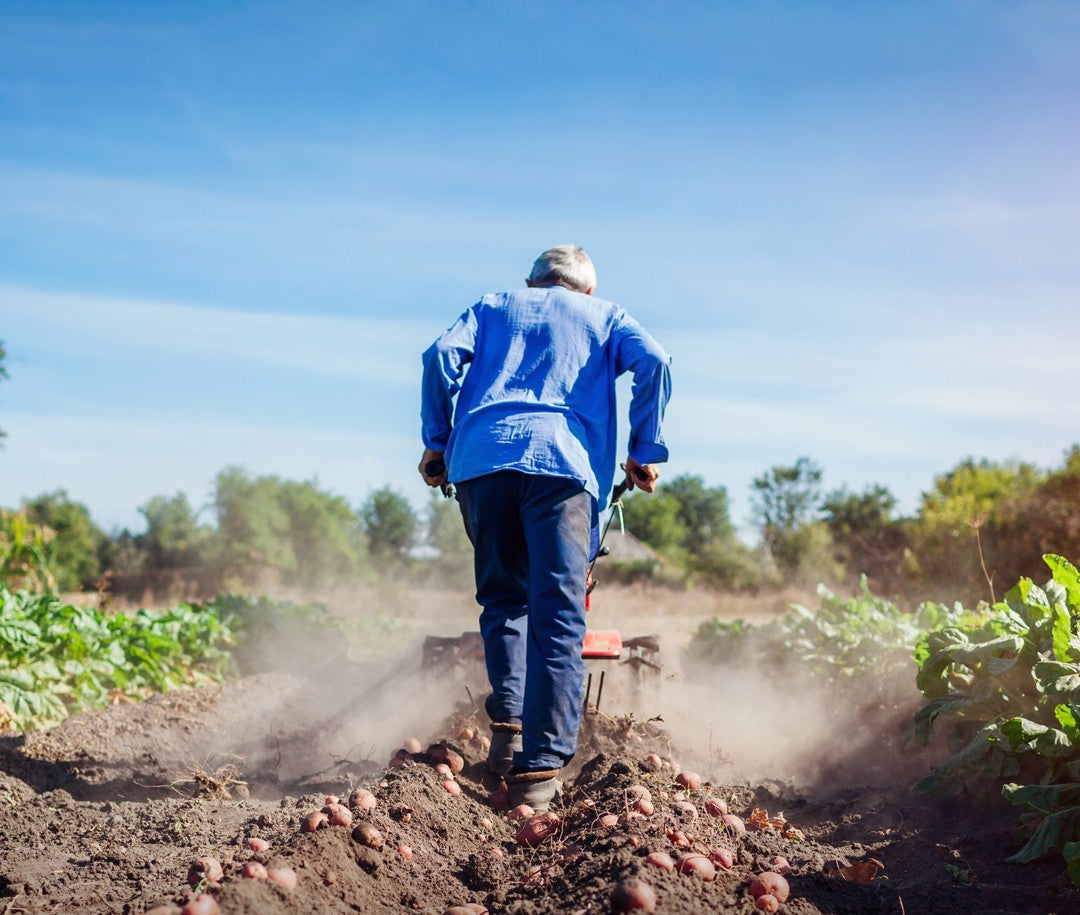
{"points": [[432, 457]]}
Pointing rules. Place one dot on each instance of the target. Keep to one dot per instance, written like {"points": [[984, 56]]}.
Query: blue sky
{"points": [[227, 230]]}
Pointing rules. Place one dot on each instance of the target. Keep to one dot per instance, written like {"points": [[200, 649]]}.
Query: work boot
{"points": [[505, 742], [537, 789]]}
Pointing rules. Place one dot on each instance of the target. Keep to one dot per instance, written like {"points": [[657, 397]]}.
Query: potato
{"points": [[645, 806], [454, 761], [609, 821], [368, 835], [467, 733], [734, 823], [256, 844], [722, 858], [285, 877], [679, 839], [636, 792], [521, 812], [338, 815], [484, 742], [451, 786], [537, 828], [696, 864], [254, 871], [766, 902], [444, 770], [412, 745], [332, 799], [652, 763], [203, 904], [633, 895], [661, 860], [314, 821], [468, 908], [780, 864], [163, 910], [405, 851], [715, 806], [689, 780], [362, 799], [499, 799], [770, 883], [685, 809], [205, 870]]}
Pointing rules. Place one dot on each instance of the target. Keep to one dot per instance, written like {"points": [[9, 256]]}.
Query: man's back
{"points": [[539, 395]]}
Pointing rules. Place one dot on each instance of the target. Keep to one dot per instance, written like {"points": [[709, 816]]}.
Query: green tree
{"points": [[785, 500], [173, 538], [390, 523], [76, 544], [656, 519], [446, 531], [304, 533]]}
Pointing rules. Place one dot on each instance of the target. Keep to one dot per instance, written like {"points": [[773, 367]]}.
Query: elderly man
{"points": [[531, 449]]}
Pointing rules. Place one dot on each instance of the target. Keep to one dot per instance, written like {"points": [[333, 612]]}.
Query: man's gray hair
{"points": [[564, 265]]}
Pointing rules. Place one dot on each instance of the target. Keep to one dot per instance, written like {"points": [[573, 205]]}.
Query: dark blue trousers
{"points": [[532, 538]]}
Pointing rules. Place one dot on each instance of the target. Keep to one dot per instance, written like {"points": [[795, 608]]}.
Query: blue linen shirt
{"points": [[534, 373]]}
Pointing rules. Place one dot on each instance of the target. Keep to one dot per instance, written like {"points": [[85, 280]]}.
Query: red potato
{"points": [[521, 812], [455, 761], [254, 871], [497, 852], [645, 806], [770, 883], [405, 851], [780, 864], [633, 840], [653, 763], [466, 733], [661, 860], [609, 821], [686, 810], [397, 762], [485, 823], [314, 821], [689, 780], [368, 835], [485, 742], [384, 784], [734, 823], [332, 799], [722, 857], [203, 904], [678, 796], [537, 828], [633, 896], [472, 908], [636, 792], [451, 786], [256, 844], [437, 752], [412, 745], [766, 902], [338, 815], [444, 770], [715, 806], [678, 838], [163, 910], [205, 870], [362, 799], [499, 799], [696, 864], [329, 878], [285, 877]]}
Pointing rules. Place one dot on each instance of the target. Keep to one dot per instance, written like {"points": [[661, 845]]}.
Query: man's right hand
{"points": [[641, 476], [432, 457]]}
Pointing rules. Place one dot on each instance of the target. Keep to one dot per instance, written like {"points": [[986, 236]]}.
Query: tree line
{"points": [[981, 523]]}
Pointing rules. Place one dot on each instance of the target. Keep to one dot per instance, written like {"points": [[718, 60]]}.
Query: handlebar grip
{"points": [[434, 468]]}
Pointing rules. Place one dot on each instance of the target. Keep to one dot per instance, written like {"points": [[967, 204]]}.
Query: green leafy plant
{"points": [[57, 659], [1006, 693]]}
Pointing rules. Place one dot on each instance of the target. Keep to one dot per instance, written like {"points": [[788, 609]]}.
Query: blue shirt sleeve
{"points": [[638, 353], [444, 365]]}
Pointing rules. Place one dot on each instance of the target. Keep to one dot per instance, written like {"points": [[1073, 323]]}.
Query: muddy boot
{"points": [[537, 789], [505, 742]]}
